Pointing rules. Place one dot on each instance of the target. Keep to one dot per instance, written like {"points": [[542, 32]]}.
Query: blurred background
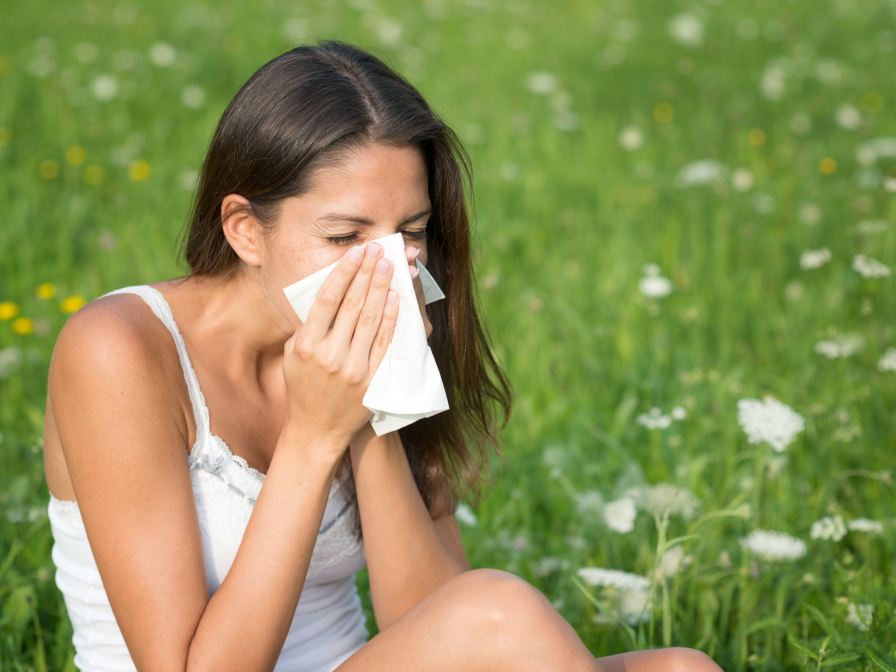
{"points": [[684, 243]]}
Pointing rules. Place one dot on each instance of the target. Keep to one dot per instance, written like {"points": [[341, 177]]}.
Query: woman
{"points": [[170, 553]]}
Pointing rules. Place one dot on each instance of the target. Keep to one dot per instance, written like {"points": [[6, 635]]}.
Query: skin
{"points": [[285, 396]]}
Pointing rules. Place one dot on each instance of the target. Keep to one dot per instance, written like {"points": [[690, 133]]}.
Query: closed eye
{"points": [[342, 240]]}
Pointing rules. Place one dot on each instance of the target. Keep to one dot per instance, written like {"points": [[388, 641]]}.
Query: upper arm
{"points": [[449, 533], [124, 440]]}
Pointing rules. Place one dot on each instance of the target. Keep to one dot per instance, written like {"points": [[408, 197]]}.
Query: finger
{"points": [[371, 315], [412, 253], [384, 333], [353, 302], [327, 301]]}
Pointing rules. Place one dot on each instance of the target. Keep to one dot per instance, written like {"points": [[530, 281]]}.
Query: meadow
{"points": [[684, 244]]}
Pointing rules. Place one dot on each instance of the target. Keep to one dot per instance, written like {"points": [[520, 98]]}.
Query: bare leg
{"points": [[491, 621]]}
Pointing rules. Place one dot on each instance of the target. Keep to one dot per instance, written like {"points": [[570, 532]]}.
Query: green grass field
{"points": [[584, 120]]}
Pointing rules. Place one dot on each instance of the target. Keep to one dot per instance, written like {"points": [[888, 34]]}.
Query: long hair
{"points": [[300, 112]]}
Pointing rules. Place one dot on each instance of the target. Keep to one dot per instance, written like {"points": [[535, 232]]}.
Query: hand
{"points": [[329, 362], [412, 253]]}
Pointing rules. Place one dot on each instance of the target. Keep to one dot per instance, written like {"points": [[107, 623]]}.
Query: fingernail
{"points": [[392, 297], [414, 272], [356, 253], [414, 252], [382, 266], [372, 250]]}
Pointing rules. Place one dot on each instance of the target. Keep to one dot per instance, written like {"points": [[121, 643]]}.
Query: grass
{"points": [[566, 219]]}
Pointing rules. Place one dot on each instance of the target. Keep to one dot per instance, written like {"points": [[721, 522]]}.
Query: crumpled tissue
{"points": [[407, 386]]}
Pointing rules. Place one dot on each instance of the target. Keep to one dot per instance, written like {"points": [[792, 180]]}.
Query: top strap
{"points": [[162, 310]]}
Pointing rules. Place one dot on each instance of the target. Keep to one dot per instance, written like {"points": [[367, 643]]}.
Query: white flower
{"points": [[105, 87], [687, 29], [770, 421], [10, 359], [662, 497], [859, 615], [888, 361], [541, 83], [653, 285], [810, 259], [849, 117], [774, 79], [634, 608], [679, 413], [187, 179], [742, 179], [193, 96], [844, 345], [869, 268], [771, 545], [162, 54], [878, 148], [548, 565], [613, 578], [764, 203], [619, 515], [389, 31], [868, 227], [589, 502], [465, 515], [631, 138], [654, 419], [865, 525], [829, 528], [554, 458], [810, 213], [698, 173]]}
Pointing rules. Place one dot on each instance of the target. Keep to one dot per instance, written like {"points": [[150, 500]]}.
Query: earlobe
{"points": [[241, 229]]}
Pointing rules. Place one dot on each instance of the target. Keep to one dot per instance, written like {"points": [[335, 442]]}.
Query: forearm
{"points": [[246, 622], [406, 557]]}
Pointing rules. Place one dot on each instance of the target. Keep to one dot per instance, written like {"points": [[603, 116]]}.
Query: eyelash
{"points": [[341, 240]]}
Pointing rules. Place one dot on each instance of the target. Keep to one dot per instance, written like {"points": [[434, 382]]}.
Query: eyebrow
{"points": [[337, 217]]}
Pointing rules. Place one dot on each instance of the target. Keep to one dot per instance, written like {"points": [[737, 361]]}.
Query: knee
{"points": [[491, 601], [679, 659]]}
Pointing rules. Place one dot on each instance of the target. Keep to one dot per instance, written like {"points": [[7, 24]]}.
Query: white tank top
{"points": [[328, 626]]}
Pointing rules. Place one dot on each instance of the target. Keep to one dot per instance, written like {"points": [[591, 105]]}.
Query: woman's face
{"points": [[373, 192]]}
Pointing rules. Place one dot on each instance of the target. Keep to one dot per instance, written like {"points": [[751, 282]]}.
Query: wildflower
{"points": [[679, 413], [566, 120], [868, 227], [613, 578], [653, 285], [865, 525], [773, 81], [764, 203], [773, 546], [870, 268], [654, 419], [465, 515], [554, 458], [769, 421], [687, 29], [827, 166], [162, 54], [672, 561], [46, 291], [72, 304], [859, 615], [848, 117], [663, 113], [629, 594], [619, 515], [631, 138], [93, 175], [548, 565], [8, 310], [21, 515], [23, 326], [878, 148], [49, 169], [519, 543], [888, 361], [589, 502], [541, 83], [809, 214], [698, 173], [389, 31], [193, 96], [10, 359], [842, 346], [75, 155], [139, 171], [810, 259], [742, 179], [662, 497], [105, 88], [829, 528]]}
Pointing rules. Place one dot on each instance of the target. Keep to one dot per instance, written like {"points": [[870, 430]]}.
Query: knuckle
{"points": [[383, 338], [326, 298], [331, 363], [305, 350], [367, 318], [352, 303]]}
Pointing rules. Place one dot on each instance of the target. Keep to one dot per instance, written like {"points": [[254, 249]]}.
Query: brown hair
{"points": [[299, 112]]}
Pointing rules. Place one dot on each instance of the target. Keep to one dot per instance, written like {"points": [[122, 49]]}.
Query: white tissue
{"points": [[407, 385]]}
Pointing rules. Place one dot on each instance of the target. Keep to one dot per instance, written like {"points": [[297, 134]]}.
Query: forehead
{"points": [[373, 176]]}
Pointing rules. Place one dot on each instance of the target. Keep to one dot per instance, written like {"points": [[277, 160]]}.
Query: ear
{"points": [[241, 229]]}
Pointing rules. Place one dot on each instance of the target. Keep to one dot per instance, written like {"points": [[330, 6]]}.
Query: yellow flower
{"points": [[663, 113], [49, 169], [23, 325], [8, 311], [756, 137], [93, 175], [46, 291], [827, 166], [76, 155], [139, 171], [72, 303], [5, 136]]}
